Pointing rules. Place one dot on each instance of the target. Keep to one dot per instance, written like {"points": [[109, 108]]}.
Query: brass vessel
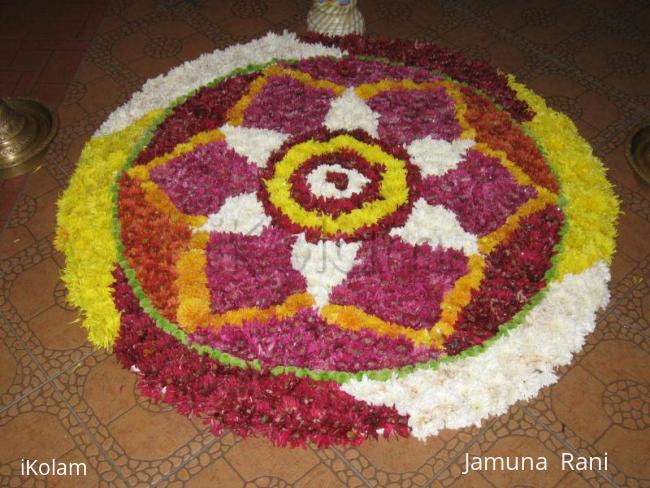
{"points": [[637, 151], [26, 129]]}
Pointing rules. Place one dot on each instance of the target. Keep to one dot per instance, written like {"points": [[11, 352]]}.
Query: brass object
{"points": [[637, 151], [26, 129]]}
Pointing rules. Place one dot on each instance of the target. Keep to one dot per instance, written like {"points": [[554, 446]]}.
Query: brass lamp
{"points": [[26, 129], [637, 151]]}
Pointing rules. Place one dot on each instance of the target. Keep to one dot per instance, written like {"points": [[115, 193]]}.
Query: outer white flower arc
{"points": [[514, 368]]}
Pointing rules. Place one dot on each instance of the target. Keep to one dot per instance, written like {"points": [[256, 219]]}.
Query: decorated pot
{"points": [[335, 17]]}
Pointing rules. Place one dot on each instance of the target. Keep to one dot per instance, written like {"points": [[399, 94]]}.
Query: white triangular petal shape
{"points": [[256, 144], [436, 226], [437, 156], [320, 187], [349, 112], [324, 264], [242, 213]]}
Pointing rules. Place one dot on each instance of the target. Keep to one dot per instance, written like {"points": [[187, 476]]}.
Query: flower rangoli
{"points": [[356, 238]]}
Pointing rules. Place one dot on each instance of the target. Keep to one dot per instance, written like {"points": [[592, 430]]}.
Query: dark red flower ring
{"points": [[286, 409]]}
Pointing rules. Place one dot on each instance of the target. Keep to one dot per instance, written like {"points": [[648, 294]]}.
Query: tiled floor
{"points": [[61, 399]]}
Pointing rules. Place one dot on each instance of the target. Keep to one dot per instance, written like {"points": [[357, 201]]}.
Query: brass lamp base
{"points": [[26, 129], [637, 151]]}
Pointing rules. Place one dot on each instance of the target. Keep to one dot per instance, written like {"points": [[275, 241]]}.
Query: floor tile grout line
{"points": [[186, 462], [137, 404], [98, 445], [113, 419], [225, 460], [343, 459], [627, 189], [48, 379], [465, 449], [610, 310], [566, 443], [24, 344], [526, 45], [62, 399], [490, 482], [303, 475], [43, 384], [14, 205], [597, 439]]}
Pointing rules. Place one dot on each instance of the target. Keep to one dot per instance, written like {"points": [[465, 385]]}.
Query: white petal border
{"points": [[515, 367]]}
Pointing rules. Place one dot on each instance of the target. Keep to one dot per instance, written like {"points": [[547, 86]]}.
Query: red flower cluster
{"points": [[151, 245], [204, 111], [432, 57], [286, 409], [514, 272]]}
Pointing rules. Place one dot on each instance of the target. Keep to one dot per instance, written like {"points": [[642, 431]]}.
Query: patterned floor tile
{"points": [[60, 398]]}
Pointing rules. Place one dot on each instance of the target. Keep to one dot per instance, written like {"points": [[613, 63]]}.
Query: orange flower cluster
{"points": [[497, 130], [152, 245]]}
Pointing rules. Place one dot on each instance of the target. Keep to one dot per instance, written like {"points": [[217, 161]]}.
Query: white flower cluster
{"points": [[324, 264], [437, 156], [437, 226], [255, 144], [243, 214], [320, 187], [349, 112]]}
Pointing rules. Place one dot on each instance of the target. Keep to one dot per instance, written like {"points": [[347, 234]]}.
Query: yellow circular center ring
{"points": [[393, 188]]}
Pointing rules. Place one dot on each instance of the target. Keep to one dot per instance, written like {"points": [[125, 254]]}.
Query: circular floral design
{"points": [[331, 247]]}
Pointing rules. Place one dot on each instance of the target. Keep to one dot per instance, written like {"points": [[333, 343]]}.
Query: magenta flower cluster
{"points": [[407, 115], [306, 340], [399, 282], [200, 181], [470, 189], [251, 271], [287, 105], [353, 72], [286, 409]]}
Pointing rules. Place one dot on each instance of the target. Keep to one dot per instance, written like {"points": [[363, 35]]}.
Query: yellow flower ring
{"points": [[394, 188], [459, 220]]}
